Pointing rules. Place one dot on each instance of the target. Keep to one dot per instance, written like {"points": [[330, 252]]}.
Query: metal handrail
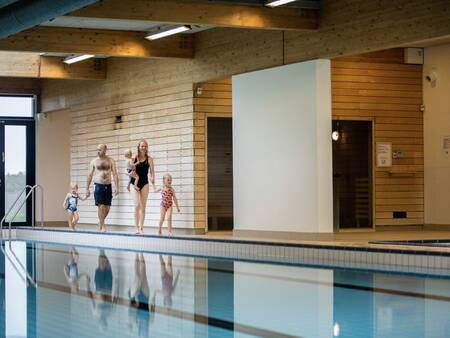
{"points": [[10, 209], [24, 268], [1, 231], [31, 192], [15, 267], [33, 200]]}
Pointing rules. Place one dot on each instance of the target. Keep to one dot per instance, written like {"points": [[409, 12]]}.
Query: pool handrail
{"points": [[10, 209], [31, 192]]}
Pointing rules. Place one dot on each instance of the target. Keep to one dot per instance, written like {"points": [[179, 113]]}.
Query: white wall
{"points": [[282, 158], [436, 126], [53, 161]]}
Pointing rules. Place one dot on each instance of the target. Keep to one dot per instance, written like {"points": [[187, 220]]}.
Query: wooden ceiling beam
{"points": [[203, 13], [98, 42], [53, 67], [32, 65]]}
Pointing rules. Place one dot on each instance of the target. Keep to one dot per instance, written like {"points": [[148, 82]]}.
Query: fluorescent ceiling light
{"points": [[278, 3], [172, 31], [76, 58]]}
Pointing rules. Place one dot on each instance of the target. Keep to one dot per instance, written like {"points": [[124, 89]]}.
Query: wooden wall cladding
{"points": [[222, 52], [389, 92], [214, 101], [164, 118]]}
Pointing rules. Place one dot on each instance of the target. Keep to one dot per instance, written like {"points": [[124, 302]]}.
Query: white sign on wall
{"points": [[384, 154]]}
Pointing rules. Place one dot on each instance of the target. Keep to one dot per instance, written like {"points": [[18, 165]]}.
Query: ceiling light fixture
{"points": [[76, 58], [276, 3], [171, 31]]}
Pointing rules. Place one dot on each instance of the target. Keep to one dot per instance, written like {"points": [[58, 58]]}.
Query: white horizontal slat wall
{"points": [[164, 117]]}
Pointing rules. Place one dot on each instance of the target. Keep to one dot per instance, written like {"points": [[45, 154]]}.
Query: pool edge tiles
{"points": [[407, 261]]}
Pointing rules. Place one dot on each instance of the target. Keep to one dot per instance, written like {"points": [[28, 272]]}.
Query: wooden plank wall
{"points": [[9, 85], [214, 101], [374, 86], [220, 53], [379, 86], [162, 116]]}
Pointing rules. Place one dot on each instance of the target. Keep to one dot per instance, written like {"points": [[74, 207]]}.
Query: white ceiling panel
{"points": [[113, 24]]}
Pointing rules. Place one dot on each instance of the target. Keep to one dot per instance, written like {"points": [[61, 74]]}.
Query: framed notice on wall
{"points": [[384, 154]]}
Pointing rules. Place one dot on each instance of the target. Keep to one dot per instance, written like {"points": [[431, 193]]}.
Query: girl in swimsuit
{"points": [[168, 282], [71, 205], [168, 197], [144, 167]]}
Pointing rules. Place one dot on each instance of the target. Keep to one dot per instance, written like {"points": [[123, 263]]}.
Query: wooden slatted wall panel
{"points": [[162, 116], [391, 93], [9, 85], [214, 100]]}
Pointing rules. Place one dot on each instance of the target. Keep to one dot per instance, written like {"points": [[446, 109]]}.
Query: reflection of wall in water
{"points": [[284, 299], [221, 293]]}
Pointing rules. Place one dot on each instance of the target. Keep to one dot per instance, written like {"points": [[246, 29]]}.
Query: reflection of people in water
{"points": [[139, 295], [103, 298], [167, 281], [73, 277]]}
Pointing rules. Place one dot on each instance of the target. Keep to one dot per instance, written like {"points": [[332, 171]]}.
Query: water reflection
{"points": [[107, 293], [102, 297], [168, 283], [140, 308], [71, 272]]}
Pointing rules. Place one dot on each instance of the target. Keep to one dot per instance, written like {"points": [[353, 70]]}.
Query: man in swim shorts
{"points": [[102, 169]]}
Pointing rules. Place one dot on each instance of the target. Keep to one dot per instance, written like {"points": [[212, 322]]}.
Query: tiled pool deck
{"points": [[349, 250]]}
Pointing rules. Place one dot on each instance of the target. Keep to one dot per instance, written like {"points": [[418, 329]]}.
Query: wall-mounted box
{"points": [[413, 56]]}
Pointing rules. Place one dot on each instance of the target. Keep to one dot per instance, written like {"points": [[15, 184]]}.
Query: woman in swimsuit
{"points": [[144, 167], [140, 303]]}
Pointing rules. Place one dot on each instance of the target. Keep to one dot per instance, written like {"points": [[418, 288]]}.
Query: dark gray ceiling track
{"points": [[16, 16]]}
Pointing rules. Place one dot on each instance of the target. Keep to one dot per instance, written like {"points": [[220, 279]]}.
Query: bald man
{"points": [[101, 169]]}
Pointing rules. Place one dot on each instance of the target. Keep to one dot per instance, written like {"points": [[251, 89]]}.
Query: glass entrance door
{"points": [[17, 163]]}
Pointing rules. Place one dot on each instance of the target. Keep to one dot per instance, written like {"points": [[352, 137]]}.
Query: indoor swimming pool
{"points": [[89, 292]]}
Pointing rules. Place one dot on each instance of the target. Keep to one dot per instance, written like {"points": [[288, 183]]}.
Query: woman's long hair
{"points": [[138, 151]]}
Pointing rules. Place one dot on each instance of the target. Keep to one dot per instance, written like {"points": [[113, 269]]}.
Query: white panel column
{"points": [[282, 149]]}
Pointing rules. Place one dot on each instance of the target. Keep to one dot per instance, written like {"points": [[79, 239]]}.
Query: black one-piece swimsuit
{"points": [[142, 172]]}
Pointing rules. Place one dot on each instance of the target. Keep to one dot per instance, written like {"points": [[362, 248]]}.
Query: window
{"points": [[16, 106]]}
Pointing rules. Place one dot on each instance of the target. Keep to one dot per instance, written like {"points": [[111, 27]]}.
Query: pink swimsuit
{"points": [[166, 198]]}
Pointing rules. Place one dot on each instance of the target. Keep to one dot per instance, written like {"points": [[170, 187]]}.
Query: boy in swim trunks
{"points": [[71, 205]]}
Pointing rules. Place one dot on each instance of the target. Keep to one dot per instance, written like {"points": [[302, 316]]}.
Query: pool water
{"points": [[88, 292]]}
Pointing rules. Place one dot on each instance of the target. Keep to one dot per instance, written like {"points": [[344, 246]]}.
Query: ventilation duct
{"points": [[26, 14], [4, 3]]}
